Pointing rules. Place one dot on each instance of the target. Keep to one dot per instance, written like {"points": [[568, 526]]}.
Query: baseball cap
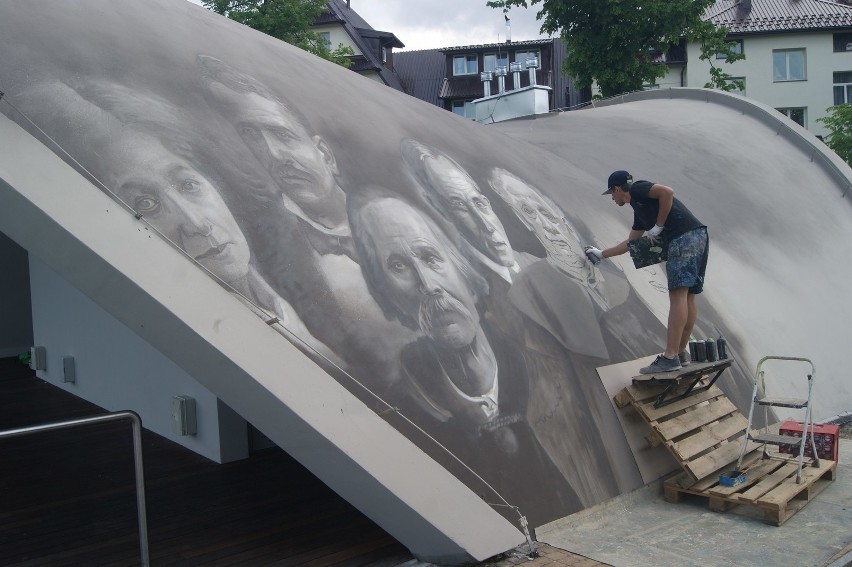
{"points": [[619, 178]]}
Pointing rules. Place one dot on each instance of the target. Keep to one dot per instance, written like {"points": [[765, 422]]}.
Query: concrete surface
{"points": [[641, 529]]}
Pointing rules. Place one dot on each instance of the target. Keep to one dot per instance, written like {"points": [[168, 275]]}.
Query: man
{"points": [[658, 214], [452, 191], [469, 394], [300, 163], [418, 277]]}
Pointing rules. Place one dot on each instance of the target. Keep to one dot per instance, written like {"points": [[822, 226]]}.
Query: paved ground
{"points": [[556, 557]]}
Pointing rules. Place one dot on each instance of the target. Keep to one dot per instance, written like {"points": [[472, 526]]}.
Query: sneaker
{"points": [[661, 364], [684, 358]]}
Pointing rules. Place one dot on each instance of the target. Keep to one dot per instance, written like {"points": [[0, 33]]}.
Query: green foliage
{"points": [[287, 20], [839, 124], [613, 41], [715, 41]]}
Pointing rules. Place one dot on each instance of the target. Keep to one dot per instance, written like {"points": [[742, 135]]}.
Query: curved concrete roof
{"points": [[334, 207]]}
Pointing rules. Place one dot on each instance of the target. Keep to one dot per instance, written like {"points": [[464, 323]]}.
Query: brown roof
{"points": [[763, 16]]}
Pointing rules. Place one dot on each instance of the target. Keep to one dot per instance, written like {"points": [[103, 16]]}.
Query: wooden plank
{"points": [[753, 475], [767, 483], [655, 414], [692, 420], [711, 435], [721, 458], [789, 489]]}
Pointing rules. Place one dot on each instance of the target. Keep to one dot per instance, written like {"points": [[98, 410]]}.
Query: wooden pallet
{"points": [[703, 432], [770, 486]]}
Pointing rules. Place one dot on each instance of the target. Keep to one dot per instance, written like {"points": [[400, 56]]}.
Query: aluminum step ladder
{"points": [[771, 439]]}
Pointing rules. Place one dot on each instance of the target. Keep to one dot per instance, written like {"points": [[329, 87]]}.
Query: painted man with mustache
{"points": [[471, 395]]}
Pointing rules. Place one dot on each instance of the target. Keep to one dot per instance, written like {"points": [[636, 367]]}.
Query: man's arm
{"points": [[621, 247], [665, 195]]}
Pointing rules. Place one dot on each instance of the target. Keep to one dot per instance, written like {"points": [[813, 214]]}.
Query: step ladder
{"points": [[772, 439]]}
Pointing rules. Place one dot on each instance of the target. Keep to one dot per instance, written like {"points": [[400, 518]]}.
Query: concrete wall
{"points": [[815, 93], [16, 330], [117, 370]]}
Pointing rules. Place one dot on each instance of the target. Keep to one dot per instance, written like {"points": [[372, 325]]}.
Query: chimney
{"points": [[516, 67], [501, 79], [532, 63], [508, 29], [743, 9], [486, 77]]}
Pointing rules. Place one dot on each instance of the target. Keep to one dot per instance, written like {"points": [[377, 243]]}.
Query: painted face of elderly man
{"points": [[417, 276], [546, 221], [300, 163], [451, 189]]}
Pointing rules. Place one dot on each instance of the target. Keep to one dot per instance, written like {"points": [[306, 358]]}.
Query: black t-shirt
{"points": [[645, 210]]}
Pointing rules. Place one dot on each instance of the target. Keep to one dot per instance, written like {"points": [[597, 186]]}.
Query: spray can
{"points": [[692, 354], [722, 347], [700, 351], [711, 349]]}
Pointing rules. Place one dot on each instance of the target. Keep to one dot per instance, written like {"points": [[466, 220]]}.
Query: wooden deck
{"points": [[67, 498]]}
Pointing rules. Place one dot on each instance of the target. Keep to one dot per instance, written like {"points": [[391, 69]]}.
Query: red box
{"points": [[826, 438]]}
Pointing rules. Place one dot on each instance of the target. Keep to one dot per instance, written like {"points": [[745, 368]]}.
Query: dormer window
{"points": [[465, 65]]}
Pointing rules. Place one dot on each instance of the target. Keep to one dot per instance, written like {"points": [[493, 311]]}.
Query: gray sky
{"points": [[429, 24]]}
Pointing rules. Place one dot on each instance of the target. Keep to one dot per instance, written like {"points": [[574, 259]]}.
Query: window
{"points": [[797, 115], [493, 60], [384, 54], [326, 39], [739, 84], [842, 87], [464, 108], [522, 56], [842, 42], [737, 48], [465, 65], [788, 65]]}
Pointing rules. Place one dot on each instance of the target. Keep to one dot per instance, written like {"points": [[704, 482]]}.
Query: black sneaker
{"points": [[685, 359], [661, 364]]}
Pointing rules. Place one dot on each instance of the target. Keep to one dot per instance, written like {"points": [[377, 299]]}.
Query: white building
{"points": [[798, 55]]}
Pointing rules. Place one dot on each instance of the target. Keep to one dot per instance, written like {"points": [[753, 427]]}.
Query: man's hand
{"points": [[654, 234], [594, 255]]}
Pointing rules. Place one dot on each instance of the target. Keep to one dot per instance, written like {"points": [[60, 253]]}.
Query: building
{"points": [[798, 55], [374, 58], [450, 77]]}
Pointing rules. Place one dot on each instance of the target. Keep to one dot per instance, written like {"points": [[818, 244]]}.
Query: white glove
{"points": [[594, 255], [654, 234]]}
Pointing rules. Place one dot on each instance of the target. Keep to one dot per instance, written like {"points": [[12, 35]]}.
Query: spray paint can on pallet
{"points": [[700, 351], [722, 347], [711, 349], [693, 355]]}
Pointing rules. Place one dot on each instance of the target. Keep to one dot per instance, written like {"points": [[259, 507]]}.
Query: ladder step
{"points": [[776, 439], [783, 402]]}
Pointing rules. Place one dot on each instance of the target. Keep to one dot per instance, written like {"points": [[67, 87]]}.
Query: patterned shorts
{"points": [[688, 260]]}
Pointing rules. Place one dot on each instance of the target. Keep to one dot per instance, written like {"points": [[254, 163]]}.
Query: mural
{"points": [[394, 244]]}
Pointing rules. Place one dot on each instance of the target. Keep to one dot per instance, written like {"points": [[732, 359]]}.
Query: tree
{"points": [[287, 20], [613, 42], [839, 124]]}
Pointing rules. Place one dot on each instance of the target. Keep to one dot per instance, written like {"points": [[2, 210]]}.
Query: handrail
{"points": [[137, 458]]}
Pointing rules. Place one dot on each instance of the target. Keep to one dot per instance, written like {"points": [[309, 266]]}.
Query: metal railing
{"points": [[137, 459]]}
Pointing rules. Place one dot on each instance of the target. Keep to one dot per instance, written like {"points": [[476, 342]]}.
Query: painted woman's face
{"points": [[185, 206]]}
